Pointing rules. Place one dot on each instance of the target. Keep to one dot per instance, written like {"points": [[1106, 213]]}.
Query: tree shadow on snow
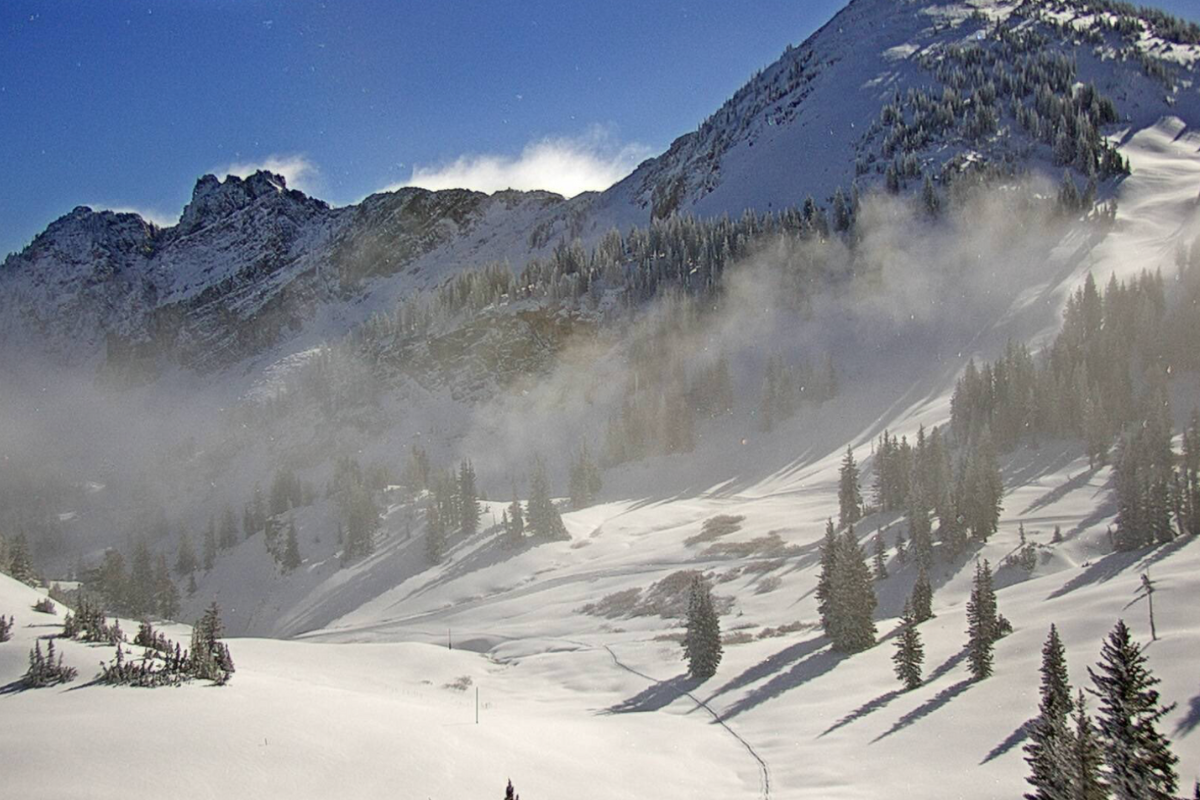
{"points": [[805, 670], [772, 664], [1059, 492], [864, 710], [1012, 740], [933, 704], [1113, 564], [1189, 723], [656, 696]]}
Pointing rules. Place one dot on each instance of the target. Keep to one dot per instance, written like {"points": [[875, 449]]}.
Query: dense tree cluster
{"points": [[88, 623], [1121, 754], [16, 561], [357, 511], [845, 592], [1103, 371], [143, 589]]}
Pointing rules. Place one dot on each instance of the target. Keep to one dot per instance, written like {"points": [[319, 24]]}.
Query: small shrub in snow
{"points": [[44, 606], [459, 684], [46, 670]]}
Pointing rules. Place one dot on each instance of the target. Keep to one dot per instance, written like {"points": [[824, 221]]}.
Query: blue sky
{"points": [[124, 104]]}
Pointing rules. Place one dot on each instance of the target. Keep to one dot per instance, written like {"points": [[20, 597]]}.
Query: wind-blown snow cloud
{"points": [[565, 165], [299, 172]]}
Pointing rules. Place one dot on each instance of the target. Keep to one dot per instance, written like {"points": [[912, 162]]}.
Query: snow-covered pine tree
{"points": [[6, 626], [1050, 749], [291, 549], [166, 593], [909, 653], [849, 493], [854, 598], [435, 533], [1086, 757], [824, 590], [880, 564], [210, 546], [702, 641], [544, 521], [922, 598], [982, 624], [468, 499], [516, 518], [1140, 763], [185, 561]]}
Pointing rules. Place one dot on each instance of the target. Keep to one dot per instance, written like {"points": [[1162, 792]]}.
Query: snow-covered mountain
{"points": [[293, 319], [252, 265]]}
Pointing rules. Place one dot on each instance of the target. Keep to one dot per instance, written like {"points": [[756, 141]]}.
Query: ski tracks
{"points": [[763, 770]]}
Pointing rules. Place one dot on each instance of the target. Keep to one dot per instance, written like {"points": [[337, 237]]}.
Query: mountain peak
{"points": [[213, 198]]}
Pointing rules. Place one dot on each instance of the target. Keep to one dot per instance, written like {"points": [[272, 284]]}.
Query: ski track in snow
{"points": [[763, 770]]}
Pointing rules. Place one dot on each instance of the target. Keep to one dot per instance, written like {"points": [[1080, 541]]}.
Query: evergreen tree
{"points": [[1140, 763], [291, 550], [435, 533], [139, 595], [210, 657], [1086, 758], [901, 548], [849, 494], [983, 625], [185, 562], [544, 521], [702, 641], [166, 594], [880, 565], [510, 793], [210, 547], [824, 590], [516, 520], [227, 538], [922, 598], [910, 654], [1050, 750], [20, 564], [853, 596], [468, 500]]}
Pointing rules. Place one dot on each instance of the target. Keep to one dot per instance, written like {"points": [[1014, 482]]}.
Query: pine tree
{"points": [[880, 564], [922, 598], [849, 494], [185, 561], [853, 594], [510, 793], [910, 654], [468, 500], [435, 533], [824, 590], [210, 548], [983, 626], [1051, 744], [702, 641], [1140, 763], [516, 521], [227, 538], [544, 521], [291, 550], [166, 594], [1086, 757], [20, 562]]}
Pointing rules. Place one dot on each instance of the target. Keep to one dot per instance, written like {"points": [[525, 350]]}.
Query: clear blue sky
{"points": [[125, 104]]}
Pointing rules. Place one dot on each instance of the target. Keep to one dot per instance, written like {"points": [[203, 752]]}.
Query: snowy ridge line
{"points": [[763, 770]]}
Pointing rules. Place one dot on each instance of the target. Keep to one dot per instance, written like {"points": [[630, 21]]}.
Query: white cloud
{"points": [[566, 165], [297, 170]]}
